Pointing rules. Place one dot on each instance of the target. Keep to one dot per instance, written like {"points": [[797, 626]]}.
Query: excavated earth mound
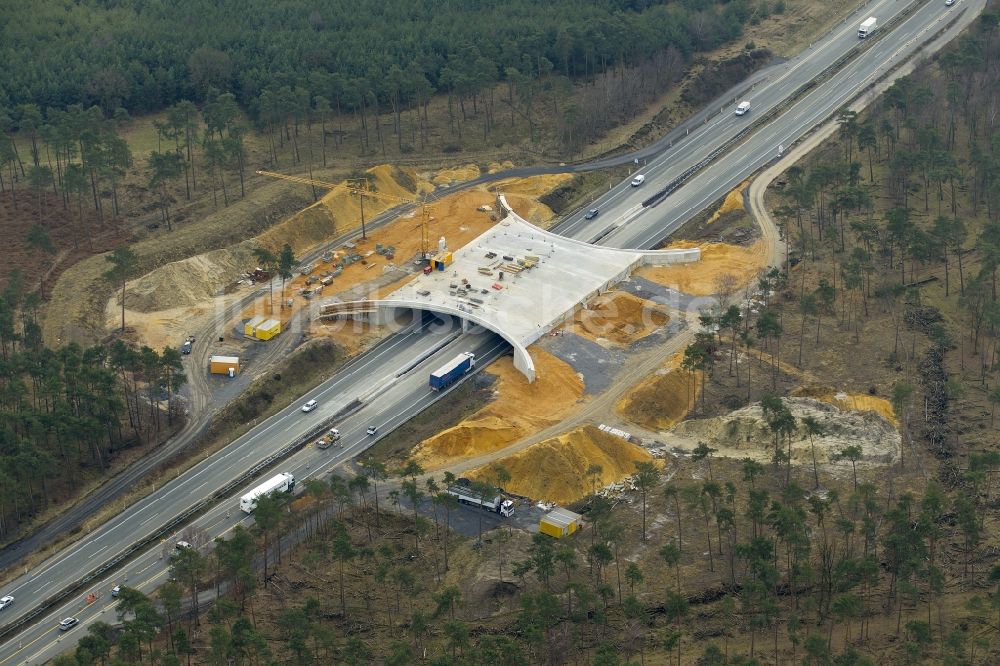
{"points": [[556, 470]]}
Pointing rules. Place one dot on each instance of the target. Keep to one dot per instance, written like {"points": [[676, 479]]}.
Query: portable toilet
{"points": [[268, 329], [224, 365], [250, 328], [559, 522]]}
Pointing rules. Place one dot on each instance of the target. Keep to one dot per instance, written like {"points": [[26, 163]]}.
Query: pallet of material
{"points": [[485, 271]]}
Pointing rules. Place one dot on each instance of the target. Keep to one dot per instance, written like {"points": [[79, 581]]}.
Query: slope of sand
{"points": [[701, 278], [858, 402], [618, 317], [662, 399], [519, 409], [733, 201], [556, 470], [456, 175]]}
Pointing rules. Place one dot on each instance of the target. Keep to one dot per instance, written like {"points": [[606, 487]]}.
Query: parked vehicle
{"points": [[638, 180], [494, 502], [282, 483], [867, 27], [327, 440], [449, 373]]}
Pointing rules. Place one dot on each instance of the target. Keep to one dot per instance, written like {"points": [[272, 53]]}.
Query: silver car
{"points": [[6, 601], [68, 624]]}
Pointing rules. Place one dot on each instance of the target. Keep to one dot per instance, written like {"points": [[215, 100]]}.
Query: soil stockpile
{"points": [[662, 399], [519, 409], [556, 470], [618, 318]]}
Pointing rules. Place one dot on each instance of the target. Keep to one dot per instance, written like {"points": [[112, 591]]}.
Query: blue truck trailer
{"points": [[452, 370]]}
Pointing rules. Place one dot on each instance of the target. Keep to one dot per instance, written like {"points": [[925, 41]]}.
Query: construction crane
{"points": [[363, 192]]}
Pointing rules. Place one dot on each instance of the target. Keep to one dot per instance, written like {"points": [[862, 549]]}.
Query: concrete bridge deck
{"points": [[517, 280]]}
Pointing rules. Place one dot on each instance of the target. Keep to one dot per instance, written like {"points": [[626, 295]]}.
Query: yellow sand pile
{"points": [[456, 175], [701, 278], [856, 402], [618, 317], [494, 167], [733, 201], [662, 399], [519, 409], [534, 186], [556, 469]]}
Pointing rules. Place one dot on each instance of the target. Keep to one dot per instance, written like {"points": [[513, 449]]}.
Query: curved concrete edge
{"points": [[649, 257], [384, 309]]}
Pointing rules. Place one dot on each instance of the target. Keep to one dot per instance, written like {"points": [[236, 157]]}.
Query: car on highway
{"points": [[592, 213], [116, 590], [182, 545], [743, 108], [6, 601], [309, 406], [372, 430], [949, 3], [68, 624], [638, 180]]}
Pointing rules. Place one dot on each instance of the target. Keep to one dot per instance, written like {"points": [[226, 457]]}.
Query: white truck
{"points": [[867, 27], [494, 502], [282, 483]]}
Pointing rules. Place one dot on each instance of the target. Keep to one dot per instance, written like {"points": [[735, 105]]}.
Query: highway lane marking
{"points": [[43, 587], [98, 552], [147, 520]]}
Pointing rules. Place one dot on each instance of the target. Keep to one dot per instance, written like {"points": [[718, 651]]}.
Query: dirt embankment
{"points": [[519, 409], [618, 318], [556, 470], [661, 400], [745, 433], [704, 277]]}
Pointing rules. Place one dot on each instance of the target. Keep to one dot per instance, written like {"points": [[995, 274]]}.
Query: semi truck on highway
{"points": [[867, 27], [452, 370], [283, 483], [494, 501]]}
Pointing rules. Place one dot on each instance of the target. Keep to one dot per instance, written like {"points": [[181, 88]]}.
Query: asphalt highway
{"points": [[393, 391]]}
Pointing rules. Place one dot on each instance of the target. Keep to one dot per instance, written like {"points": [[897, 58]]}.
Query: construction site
{"points": [[600, 353]]}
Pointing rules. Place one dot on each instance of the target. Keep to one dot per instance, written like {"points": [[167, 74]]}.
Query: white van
{"points": [[638, 180], [742, 108]]}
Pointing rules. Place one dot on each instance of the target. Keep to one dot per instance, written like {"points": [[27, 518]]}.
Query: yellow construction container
{"points": [[559, 523], [268, 329], [250, 327], [224, 365]]}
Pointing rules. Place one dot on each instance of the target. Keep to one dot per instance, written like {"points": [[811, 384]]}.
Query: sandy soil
{"points": [[701, 278], [556, 470], [733, 201], [859, 402], [520, 408], [744, 433], [618, 318], [456, 175], [663, 399]]}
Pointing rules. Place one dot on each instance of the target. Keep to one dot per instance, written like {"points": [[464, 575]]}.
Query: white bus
{"points": [[284, 483]]}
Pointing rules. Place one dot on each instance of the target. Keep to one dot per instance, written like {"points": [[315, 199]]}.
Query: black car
{"points": [[591, 214]]}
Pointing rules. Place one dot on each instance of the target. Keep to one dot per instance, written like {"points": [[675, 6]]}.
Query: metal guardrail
{"points": [[779, 109], [186, 516]]}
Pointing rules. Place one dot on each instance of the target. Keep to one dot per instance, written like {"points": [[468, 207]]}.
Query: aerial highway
{"points": [[404, 395]]}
